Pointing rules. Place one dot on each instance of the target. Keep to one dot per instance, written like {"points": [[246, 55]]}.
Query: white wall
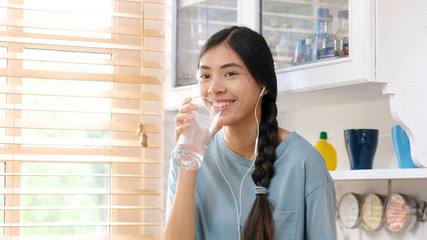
{"points": [[333, 119]]}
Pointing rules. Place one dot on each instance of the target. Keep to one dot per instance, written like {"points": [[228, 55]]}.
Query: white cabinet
{"points": [[358, 67]]}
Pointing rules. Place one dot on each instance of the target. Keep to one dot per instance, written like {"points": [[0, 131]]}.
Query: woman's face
{"points": [[225, 78]]}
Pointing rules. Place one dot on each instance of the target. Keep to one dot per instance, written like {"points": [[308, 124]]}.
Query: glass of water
{"points": [[194, 140]]}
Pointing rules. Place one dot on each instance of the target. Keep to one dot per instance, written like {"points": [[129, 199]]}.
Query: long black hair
{"points": [[255, 53]]}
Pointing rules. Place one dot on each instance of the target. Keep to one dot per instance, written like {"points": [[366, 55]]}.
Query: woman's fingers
{"points": [[181, 123], [184, 116], [187, 106], [179, 129], [218, 126]]}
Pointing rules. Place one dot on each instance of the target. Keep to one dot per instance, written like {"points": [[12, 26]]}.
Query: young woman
{"points": [[257, 181]]}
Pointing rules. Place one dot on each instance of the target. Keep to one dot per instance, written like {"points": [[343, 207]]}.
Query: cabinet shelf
{"points": [[209, 22], [289, 15], [216, 7], [379, 174], [309, 3], [288, 30]]}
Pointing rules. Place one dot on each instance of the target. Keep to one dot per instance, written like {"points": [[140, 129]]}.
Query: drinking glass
{"points": [[194, 140]]}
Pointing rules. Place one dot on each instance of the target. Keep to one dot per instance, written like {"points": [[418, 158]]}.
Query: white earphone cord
{"points": [[239, 208]]}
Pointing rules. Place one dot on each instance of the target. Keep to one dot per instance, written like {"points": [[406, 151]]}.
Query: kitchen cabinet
{"points": [[358, 67], [381, 83]]}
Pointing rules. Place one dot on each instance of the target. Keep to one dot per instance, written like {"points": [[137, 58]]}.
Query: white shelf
{"points": [[412, 173]]}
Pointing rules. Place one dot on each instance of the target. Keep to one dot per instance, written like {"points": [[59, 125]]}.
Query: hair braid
{"points": [[259, 224]]}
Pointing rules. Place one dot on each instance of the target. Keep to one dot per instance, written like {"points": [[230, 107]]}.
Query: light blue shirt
{"points": [[302, 192]]}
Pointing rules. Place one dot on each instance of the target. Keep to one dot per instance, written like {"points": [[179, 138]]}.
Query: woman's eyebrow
{"points": [[223, 66], [231, 65], [204, 67]]}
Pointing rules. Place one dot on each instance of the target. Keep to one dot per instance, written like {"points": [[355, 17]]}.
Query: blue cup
{"points": [[361, 145], [402, 147]]}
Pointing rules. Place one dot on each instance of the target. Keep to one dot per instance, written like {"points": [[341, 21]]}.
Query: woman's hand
{"points": [[218, 126], [183, 117]]}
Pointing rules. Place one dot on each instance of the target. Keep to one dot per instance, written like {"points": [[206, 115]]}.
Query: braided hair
{"points": [[255, 53]]}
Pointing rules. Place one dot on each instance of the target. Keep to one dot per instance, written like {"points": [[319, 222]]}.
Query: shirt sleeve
{"points": [[321, 209], [172, 182]]}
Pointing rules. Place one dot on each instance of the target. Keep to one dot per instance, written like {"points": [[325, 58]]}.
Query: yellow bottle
{"points": [[328, 151]]}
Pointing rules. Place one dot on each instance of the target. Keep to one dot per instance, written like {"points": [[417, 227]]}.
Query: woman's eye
{"points": [[204, 76], [230, 74]]}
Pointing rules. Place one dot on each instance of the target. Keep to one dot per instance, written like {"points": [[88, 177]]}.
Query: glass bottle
{"points": [[324, 45], [341, 36]]}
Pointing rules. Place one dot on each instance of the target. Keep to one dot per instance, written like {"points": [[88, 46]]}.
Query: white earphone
{"points": [[262, 91], [239, 206], [257, 123]]}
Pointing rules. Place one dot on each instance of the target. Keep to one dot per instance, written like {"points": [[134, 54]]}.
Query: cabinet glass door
{"points": [[196, 21], [304, 32]]}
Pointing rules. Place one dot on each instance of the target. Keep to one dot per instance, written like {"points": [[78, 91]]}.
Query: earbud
{"points": [[262, 91]]}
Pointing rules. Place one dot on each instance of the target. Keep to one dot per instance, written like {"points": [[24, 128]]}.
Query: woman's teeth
{"points": [[221, 104]]}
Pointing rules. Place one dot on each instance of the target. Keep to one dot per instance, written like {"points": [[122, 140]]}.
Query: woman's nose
{"points": [[216, 86]]}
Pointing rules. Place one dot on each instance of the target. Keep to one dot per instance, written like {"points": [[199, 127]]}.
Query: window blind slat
{"points": [[117, 13], [65, 44], [79, 208], [74, 142], [51, 153], [76, 158], [73, 109], [53, 58], [136, 94], [72, 191], [72, 224], [82, 237], [77, 175], [76, 125], [81, 76]]}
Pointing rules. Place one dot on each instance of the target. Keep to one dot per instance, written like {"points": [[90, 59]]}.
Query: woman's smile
{"points": [[222, 105]]}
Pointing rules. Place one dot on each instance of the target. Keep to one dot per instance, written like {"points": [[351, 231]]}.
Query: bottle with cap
{"points": [[324, 46], [342, 48], [328, 151]]}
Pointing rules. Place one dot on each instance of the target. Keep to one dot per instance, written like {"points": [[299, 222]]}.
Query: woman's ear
{"points": [[263, 91]]}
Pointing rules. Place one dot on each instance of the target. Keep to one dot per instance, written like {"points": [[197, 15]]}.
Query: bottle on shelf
{"points": [[303, 51], [328, 151], [341, 36], [285, 47], [324, 43]]}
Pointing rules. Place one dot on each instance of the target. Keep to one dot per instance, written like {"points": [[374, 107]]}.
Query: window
{"points": [[76, 78]]}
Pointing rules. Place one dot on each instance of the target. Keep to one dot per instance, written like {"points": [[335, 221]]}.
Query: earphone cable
{"points": [[239, 208]]}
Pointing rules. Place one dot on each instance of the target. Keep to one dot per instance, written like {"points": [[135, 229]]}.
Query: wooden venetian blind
{"points": [[76, 78]]}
